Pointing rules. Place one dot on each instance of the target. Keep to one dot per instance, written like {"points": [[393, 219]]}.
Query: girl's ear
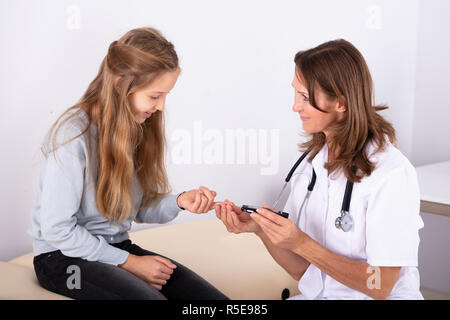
{"points": [[117, 82]]}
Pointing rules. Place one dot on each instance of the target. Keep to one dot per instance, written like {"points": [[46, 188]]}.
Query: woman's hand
{"points": [[199, 200], [282, 232], [234, 219], [154, 270]]}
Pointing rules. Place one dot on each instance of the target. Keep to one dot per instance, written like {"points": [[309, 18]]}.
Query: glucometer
{"points": [[250, 209]]}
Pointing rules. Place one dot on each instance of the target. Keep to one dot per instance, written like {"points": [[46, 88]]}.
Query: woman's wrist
{"points": [[260, 233]]}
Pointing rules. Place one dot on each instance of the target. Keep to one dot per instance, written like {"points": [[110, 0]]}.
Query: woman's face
{"points": [[152, 98], [315, 120]]}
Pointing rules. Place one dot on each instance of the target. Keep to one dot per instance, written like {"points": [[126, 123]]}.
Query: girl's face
{"points": [[151, 98], [315, 120]]}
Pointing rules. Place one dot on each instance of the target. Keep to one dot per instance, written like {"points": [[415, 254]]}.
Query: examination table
{"points": [[237, 264]]}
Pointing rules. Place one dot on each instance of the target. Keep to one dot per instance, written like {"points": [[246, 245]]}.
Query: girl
{"points": [[104, 168], [376, 255]]}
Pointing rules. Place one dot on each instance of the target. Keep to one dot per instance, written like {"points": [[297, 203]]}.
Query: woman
{"points": [[107, 169], [350, 141]]}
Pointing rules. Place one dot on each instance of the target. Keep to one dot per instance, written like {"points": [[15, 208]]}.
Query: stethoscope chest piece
{"points": [[344, 222]]}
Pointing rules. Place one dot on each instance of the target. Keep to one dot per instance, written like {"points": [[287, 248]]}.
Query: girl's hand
{"points": [[282, 232], [199, 200], [234, 219], [154, 270]]}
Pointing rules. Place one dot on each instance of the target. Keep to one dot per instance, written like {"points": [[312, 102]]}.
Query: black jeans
{"points": [[105, 281]]}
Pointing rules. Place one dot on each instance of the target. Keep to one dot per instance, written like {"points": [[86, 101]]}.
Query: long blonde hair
{"points": [[124, 146], [339, 69]]}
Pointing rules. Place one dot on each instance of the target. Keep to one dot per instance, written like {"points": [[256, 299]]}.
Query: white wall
{"points": [[237, 66], [431, 135]]}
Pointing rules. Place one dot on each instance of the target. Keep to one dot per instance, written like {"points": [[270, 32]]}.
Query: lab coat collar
{"points": [[322, 157], [319, 161]]}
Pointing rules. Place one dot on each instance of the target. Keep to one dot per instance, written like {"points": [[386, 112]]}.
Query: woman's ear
{"points": [[341, 105], [117, 82]]}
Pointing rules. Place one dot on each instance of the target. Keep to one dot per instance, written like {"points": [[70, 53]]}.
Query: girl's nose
{"points": [[160, 106]]}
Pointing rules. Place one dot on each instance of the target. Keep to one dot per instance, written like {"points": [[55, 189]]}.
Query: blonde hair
{"points": [[123, 145]]}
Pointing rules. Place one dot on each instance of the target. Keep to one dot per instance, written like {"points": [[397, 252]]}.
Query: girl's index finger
{"points": [[236, 209]]}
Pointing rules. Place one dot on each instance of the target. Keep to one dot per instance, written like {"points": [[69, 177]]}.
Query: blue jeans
{"points": [[105, 281]]}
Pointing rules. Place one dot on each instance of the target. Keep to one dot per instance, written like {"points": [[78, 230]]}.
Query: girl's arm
{"points": [[163, 211], [199, 200], [62, 187]]}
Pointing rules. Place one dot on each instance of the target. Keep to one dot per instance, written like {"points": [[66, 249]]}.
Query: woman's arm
{"points": [[354, 274], [293, 263], [357, 275]]}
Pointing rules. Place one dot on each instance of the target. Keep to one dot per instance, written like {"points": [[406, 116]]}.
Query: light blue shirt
{"points": [[65, 216]]}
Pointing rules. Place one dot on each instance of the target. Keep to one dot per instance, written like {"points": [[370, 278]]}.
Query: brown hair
{"points": [[123, 145], [340, 71]]}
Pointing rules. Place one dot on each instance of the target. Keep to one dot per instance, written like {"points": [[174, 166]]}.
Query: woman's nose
{"points": [[297, 107]]}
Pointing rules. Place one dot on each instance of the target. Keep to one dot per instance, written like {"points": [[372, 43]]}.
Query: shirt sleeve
{"points": [[62, 189], [163, 211], [393, 220]]}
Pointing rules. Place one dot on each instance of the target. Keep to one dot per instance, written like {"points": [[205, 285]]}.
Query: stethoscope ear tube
{"points": [[295, 166], [313, 181], [288, 178]]}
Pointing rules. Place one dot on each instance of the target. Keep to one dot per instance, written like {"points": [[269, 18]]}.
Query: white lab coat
{"points": [[385, 208]]}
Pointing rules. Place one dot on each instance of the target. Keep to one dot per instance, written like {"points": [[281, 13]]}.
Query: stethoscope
{"points": [[345, 220]]}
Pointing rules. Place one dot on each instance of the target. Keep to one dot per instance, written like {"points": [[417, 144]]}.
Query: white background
{"points": [[237, 67]]}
